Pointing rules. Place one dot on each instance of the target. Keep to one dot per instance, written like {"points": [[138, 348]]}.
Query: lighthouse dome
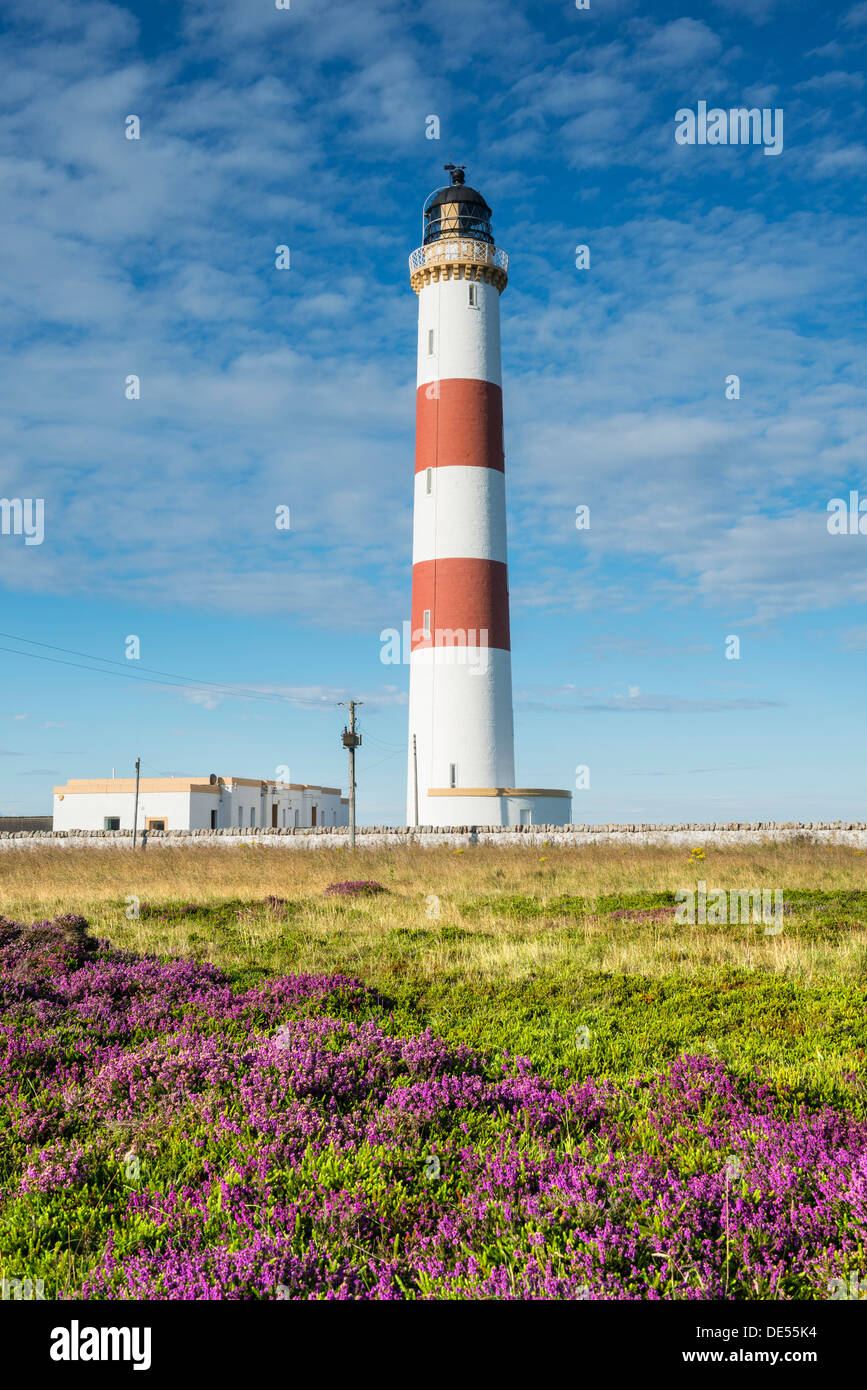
{"points": [[457, 210]]}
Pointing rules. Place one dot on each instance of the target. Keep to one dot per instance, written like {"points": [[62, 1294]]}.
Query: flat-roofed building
{"points": [[196, 803]]}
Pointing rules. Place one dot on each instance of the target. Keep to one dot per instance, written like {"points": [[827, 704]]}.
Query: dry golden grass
{"points": [[67, 879], [432, 918]]}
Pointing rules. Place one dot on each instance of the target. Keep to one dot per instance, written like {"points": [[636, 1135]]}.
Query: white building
{"points": [[196, 803]]}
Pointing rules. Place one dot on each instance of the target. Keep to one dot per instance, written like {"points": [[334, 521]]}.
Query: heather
{"points": [[354, 888], [174, 1129]]}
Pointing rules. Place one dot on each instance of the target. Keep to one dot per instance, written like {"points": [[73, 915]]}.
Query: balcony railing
{"points": [[438, 252]]}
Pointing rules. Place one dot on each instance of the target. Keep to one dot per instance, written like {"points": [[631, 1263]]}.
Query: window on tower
{"points": [[474, 296], [430, 342], [453, 774], [425, 623], [428, 481]]}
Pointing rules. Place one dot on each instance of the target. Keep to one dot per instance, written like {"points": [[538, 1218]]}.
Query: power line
{"points": [[186, 682], [382, 743], [380, 761], [174, 675]]}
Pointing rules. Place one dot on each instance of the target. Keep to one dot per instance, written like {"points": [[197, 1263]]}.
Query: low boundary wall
{"points": [[505, 837]]}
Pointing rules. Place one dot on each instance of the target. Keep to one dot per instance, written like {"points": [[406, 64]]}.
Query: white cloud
{"points": [[567, 701], [156, 257], [833, 82], [856, 18]]}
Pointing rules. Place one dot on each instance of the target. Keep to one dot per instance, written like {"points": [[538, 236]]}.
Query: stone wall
{"points": [[376, 836]]}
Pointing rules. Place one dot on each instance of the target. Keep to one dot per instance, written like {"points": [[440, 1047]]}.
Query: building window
{"points": [[111, 823], [430, 342], [284, 820], [428, 481], [312, 815], [333, 817], [240, 815], [297, 819], [474, 296], [526, 818], [453, 774], [213, 820], [153, 824], [425, 623], [252, 815]]}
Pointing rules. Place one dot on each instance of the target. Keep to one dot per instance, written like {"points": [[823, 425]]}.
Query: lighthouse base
{"points": [[447, 806]]}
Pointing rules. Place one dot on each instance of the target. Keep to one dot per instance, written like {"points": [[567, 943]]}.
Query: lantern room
{"points": [[457, 211]]}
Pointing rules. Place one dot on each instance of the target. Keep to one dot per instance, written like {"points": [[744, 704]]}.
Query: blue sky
{"points": [[262, 388]]}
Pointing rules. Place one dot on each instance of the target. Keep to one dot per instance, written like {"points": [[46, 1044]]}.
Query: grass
{"points": [[518, 949], [571, 958]]}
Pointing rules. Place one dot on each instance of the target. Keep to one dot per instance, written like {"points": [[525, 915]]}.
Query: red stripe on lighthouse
{"points": [[459, 422], [464, 597]]}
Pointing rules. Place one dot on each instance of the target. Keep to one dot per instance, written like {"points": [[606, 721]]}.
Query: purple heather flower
{"points": [[283, 1136]]}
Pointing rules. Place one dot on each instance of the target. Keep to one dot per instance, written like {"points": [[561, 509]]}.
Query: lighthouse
{"points": [[461, 766]]}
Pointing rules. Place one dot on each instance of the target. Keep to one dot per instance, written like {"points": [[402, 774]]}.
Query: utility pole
{"points": [[415, 776], [135, 808], [351, 740]]}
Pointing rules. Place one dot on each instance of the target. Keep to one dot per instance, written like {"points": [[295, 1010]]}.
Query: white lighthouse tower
{"points": [[461, 740]]}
